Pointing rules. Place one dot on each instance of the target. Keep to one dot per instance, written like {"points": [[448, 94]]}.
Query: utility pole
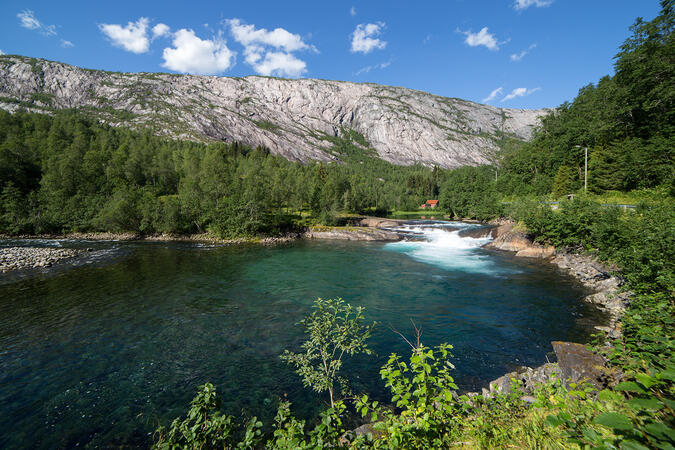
{"points": [[585, 169]]}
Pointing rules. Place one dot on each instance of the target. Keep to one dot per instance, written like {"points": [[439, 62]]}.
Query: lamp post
{"points": [[585, 167]]}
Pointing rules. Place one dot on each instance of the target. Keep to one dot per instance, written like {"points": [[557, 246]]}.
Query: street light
{"points": [[585, 166]]}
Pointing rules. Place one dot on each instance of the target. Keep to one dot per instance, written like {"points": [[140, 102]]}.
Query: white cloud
{"points": [[519, 56], [352, 11], [160, 30], [520, 92], [364, 37], [66, 44], [270, 52], [191, 54], [524, 4], [132, 38], [483, 37], [367, 69], [247, 35], [280, 63], [493, 95], [1, 52], [28, 20]]}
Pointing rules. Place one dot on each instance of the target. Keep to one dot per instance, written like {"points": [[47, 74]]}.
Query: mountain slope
{"points": [[298, 119]]}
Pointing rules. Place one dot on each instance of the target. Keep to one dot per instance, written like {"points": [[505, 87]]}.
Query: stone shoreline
{"points": [[575, 362]]}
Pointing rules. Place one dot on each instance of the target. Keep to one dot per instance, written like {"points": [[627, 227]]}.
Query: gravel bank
{"points": [[18, 258]]}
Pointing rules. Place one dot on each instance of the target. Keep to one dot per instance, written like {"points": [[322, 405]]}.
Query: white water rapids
{"points": [[439, 244]]}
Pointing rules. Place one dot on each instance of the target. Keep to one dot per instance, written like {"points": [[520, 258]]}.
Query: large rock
{"points": [[578, 364], [528, 378], [351, 234], [298, 119], [508, 239]]}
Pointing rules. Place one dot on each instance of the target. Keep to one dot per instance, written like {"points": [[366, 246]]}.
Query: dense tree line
{"points": [[67, 172]]}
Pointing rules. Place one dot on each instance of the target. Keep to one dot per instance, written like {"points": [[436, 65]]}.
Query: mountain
{"points": [[299, 119]]}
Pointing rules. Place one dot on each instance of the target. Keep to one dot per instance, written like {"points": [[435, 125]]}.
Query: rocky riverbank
{"points": [[595, 275], [21, 258], [351, 234], [575, 361]]}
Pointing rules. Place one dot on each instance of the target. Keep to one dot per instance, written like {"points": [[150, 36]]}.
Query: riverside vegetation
{"points": [[67, 172]]}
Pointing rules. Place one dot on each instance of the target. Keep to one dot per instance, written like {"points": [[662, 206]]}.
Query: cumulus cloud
{"points": [[367, 69], [248, 35], [519, 56], [270, 52], [190, 54], [352, 11], [493, 95], [28, 20], [520, 92], [483, 37], [132, 38], [160, 30], [524, 4], [280, 63], [365, 37], [1, 52], [66, 44]]}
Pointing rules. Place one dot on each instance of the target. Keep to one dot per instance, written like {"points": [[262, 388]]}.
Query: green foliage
{"points": [[565, 182], [422, 392], [334, 330], [635, 414], [470, 192], [267, 125], [69, 172], [42, 97], [204, 426]]}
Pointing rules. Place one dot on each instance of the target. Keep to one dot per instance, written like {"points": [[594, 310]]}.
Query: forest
{"points": [[67, 172]]}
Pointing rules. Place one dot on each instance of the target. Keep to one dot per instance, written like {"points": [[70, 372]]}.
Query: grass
{"points": [[418, 213]]}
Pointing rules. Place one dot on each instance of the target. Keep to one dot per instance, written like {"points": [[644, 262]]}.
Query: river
{"points": [[100, 353]]}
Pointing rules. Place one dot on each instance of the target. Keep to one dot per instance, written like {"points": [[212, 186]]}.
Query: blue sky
{"points": [[526, 53]]}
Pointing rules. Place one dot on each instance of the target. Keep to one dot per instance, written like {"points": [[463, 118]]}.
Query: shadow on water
{"points": [[99, 354]]}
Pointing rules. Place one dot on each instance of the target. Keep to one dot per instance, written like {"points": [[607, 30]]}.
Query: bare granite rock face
{"points": [[508, 239], [351, 234], [299, 119]]}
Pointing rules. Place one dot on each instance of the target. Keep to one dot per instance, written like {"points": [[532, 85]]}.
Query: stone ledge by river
{"points": [[18, 258], [351, 234]]}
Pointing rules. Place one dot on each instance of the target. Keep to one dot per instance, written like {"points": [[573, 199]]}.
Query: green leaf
{"points": [[645, 403], [554, 421], [668, 374], [632, 445], [660, 431], [591, 435], [645, 380], [608, 396], [614, 420], [629, 386]]}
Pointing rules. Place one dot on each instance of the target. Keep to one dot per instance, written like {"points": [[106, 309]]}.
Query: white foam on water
{"points": [[437, 246]]}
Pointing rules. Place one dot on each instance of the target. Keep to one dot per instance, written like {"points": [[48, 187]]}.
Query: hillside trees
{"points": [[67, 172]]}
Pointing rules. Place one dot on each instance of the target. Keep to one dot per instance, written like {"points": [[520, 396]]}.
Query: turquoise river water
{"points": [[99, 353]]}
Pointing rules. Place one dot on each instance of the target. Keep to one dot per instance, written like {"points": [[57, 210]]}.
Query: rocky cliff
{"points": [[299, 119]]}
